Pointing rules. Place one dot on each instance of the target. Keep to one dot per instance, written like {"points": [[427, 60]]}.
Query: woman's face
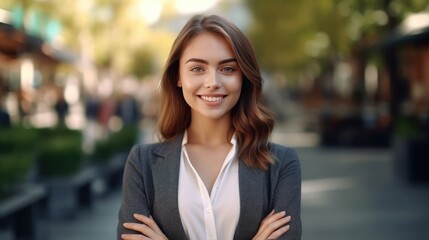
{"points": [[210, 77]]}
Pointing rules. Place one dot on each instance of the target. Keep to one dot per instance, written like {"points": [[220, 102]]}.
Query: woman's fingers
{"points": [[133, 237], [273, 226], [279, 223], [271, 218], [148, 228], [149, 222], [276, 234], [139, 227]]}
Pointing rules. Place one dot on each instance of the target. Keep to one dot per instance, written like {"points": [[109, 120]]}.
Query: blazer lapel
{"points": [[253, 201], [166, 177], [252, 184]]}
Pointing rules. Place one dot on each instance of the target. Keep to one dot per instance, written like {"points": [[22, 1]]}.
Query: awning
{"points": [[15, 42], [413, 30]]}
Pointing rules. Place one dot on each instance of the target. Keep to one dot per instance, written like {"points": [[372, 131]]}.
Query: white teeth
{"points": [[211, 99]]}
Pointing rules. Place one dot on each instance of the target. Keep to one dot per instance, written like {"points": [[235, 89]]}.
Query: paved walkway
{"points": [[97, 223], [354, 194], [347, 194]]}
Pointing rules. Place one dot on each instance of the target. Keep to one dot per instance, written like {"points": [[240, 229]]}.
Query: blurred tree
{"points": [[142, 64], [291, 35], [112, 33], [279, 31]]}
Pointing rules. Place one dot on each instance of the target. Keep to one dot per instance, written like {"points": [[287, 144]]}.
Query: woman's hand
{"points": [[148, 229], [273, 226]]}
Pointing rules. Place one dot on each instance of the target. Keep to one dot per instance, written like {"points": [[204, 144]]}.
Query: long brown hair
{"points": [[252, 122]]}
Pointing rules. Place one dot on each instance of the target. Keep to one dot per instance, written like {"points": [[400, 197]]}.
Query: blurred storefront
{"points": [[352, 100], [29, 82], [379, 95], [406, 56]]}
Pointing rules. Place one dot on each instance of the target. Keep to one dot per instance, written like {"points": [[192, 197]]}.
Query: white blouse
{"points": [[204, 215]]}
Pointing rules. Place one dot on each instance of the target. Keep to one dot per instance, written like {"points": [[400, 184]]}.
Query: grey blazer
{"points": [[150, 187]]}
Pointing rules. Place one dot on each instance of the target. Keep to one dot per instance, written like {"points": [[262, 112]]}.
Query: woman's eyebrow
{"points": [[199, 60], [228, 60]]}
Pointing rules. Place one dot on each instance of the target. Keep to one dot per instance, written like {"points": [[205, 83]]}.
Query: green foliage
{"points": [[14, 166], [58, 152], [17, 146], [407, 127], [103, 24], [142, 64], [117, 142], [60, 156], [17, 139], [46, 133], [279, 31], [287, 35]]}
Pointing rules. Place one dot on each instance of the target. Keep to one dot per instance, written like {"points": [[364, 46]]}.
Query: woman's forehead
{"points": [[207, 45]]}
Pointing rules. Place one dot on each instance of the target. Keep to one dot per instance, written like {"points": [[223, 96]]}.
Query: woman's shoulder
{"points": [[283, 154], [161, 148], [147, 148]]}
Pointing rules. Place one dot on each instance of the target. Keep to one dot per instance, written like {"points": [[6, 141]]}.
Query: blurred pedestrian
{"points": [[214, 175], [4, 115], [92, 105], [106, 112], [4, 118], [61, 108], [92, 128], [128, 110]]}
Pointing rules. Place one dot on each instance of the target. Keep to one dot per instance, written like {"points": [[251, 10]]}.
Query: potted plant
{"points": [[20, 198], [16, 154], [110, 155], [60, 156], [61, 166], [411, 143], [117, 143], [14, 167]]}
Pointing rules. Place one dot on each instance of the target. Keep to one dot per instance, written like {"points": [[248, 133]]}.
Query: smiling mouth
{"points": [[212, 98]]}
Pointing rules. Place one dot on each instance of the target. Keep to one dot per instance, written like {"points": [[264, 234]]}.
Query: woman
{"points": [[214, 175]]}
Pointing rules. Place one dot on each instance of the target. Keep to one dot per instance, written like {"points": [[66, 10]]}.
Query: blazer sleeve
{"points": [[133, 192], [287, 190]]}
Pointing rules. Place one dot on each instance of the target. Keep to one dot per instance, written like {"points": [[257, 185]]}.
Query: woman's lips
{"points": [[212, 99]]}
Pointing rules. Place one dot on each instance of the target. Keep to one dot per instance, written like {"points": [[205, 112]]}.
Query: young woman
{"points": [[213, 175]]}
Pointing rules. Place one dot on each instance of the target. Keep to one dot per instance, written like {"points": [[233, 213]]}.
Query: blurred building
{"points": [[28, 74], [406, 56]]}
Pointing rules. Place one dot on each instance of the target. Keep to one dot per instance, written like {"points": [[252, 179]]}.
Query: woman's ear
{"points": [[179, 83]]}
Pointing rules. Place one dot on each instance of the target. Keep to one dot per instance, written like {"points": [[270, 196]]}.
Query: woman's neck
{"points": [[212, 133]]}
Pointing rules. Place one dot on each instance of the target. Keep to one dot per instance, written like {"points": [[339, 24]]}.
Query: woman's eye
{"points": [[228, 69], [197, 69]]}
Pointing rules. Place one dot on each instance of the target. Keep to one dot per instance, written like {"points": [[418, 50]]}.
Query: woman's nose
{"points": [[212, 80]]}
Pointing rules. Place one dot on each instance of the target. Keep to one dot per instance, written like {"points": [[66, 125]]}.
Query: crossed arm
{"points": [[272, 227], [277, 224]]}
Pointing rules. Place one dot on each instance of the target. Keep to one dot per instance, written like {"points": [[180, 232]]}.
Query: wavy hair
{"points": [[252, 122]]}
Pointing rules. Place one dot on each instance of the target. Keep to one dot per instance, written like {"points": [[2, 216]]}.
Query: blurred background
{"points": [[347, 80]]}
